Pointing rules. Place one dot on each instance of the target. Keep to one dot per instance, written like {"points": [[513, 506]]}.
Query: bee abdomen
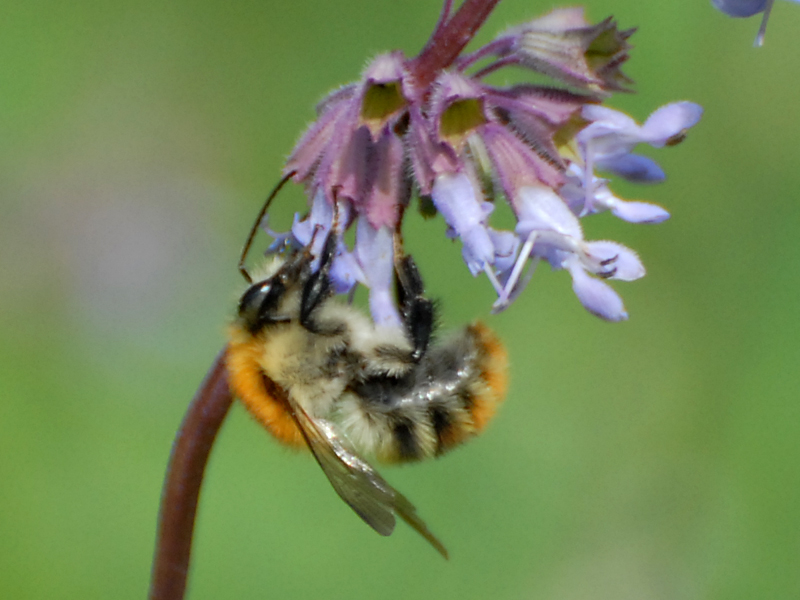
{"points": [[490, 387], [443, 401], [378, 417]]}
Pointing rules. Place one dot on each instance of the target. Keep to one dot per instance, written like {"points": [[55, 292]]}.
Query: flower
{"points": [[552, 232], [741, 8], [440, 131], [606, 143], [563, 45], [574, 194], [748, 8]]}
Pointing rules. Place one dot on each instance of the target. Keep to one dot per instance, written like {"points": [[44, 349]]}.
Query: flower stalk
{"points": [[183, 481], [449, 39]]}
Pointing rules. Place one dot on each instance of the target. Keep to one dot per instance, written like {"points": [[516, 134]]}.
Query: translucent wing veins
{"points": [[357, 482]]}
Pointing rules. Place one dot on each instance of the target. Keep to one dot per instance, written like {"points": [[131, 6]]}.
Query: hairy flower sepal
{"points": [[565, 46], [352, 152]]}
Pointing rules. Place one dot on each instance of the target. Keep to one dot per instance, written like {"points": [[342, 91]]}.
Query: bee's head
{"points": [[264, 302]]}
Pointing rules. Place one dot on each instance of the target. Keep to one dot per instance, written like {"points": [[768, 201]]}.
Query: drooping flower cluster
{"points": [[748, 8], [459, 141]]}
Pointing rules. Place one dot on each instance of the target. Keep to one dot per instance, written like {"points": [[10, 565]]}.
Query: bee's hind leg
{"points": [[417, 310]]}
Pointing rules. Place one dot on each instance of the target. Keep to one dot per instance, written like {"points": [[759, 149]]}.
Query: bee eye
{"points": [[252, 298], [260, 303]]}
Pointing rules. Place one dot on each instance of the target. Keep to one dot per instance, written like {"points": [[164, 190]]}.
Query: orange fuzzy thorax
{"points": [[248, 383]]}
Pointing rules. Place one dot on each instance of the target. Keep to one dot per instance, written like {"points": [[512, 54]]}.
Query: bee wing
{"points": [[356, 482]]}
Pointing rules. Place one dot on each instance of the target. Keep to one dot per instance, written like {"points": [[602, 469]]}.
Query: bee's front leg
{"points": [[317, 287]]}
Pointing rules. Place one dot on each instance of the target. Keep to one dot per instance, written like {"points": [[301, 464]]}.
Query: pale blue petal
{"points": [[374, 251], [315, 226], [478, 250], [639, 212], [669, 121], [506, 244], [301, 229], [345, 271], [624, 262], [633, 167], [596, 296], [540, 208], [555, 248], [457, 201], [613, 119], [740, 8]]}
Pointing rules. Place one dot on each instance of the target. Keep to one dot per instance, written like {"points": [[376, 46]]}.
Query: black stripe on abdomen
{"points": [[406, 440]]}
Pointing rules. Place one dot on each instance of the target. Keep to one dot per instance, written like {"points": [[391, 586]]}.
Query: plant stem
{"points": [[449, 40], [184, 478]]}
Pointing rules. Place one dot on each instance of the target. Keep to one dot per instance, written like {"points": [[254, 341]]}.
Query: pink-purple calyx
{"points": [[441, 131]]}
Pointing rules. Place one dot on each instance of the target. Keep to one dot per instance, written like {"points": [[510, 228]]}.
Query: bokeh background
{"points": [[653, 459]]}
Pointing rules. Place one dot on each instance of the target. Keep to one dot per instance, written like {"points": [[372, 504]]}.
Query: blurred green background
{"points": [[653, 459]]}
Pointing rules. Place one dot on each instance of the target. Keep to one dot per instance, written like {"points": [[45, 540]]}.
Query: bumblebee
{"points": [[317, 373]]}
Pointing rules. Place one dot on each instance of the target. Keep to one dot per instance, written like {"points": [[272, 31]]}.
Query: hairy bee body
{"points": [[432, 406], [364, 379], [319, 374]]}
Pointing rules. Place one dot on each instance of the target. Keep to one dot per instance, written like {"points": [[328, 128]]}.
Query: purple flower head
{"points": [[432, 126], [748, 8]]}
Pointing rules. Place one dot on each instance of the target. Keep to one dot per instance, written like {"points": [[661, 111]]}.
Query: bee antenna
{"points": [[254, 229]]}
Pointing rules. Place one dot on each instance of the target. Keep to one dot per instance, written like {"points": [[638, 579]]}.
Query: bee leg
{"points": [[318, 286], [415, 308]]}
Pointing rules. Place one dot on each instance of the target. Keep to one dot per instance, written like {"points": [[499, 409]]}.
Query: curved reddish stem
{"points": [[184, 478], [449, 40]]}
